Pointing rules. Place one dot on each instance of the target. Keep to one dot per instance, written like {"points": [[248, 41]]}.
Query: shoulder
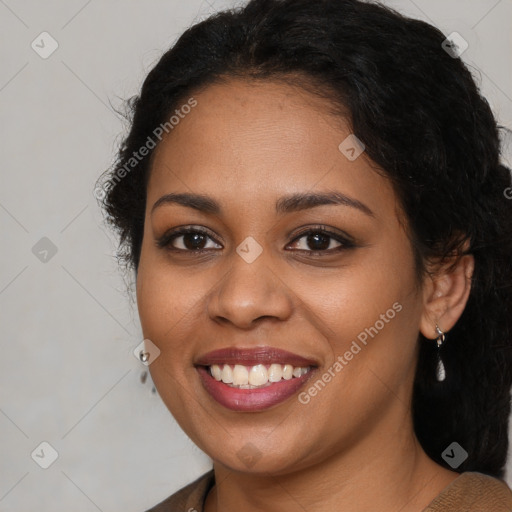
{"points": [[473, 492], [188, 499]]}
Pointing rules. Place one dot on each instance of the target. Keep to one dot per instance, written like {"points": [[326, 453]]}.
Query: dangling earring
{"points": [[440, 371]]}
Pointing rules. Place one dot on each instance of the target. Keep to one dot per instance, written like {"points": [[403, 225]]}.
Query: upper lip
{"points": [[253, 356]]}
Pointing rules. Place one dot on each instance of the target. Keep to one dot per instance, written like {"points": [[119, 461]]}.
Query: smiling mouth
{"points": [[258, 376], [253, 379]]}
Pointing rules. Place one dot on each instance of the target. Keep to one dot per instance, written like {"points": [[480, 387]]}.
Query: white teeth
{"points": [[240, 375], [258, 375], [216, 372], [275, 373], [248, 377], [287, 371], [227, 374]]}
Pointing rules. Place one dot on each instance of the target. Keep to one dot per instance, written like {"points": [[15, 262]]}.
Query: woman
{"points": [[312, 200]]}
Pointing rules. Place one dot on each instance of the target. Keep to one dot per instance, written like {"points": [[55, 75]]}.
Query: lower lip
{"points": [[249, 400]]}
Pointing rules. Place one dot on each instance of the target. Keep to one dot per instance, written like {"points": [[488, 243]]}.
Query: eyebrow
{"points": [[285, 204]]}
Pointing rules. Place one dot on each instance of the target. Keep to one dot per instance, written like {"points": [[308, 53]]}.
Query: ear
{"points": [[445, 294]]}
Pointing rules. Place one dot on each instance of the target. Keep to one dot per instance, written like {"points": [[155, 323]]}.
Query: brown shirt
{"points": [[470, 492]]}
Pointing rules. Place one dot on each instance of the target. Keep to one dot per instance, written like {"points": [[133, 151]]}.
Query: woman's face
{"points": [[341, 301]]}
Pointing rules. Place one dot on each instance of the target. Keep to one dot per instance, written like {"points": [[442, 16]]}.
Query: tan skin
{"points": [[246, 144]]}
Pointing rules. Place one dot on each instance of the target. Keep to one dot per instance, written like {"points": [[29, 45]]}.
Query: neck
{"points": [[392, 471]]}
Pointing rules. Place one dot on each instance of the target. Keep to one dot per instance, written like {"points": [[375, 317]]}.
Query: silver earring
{"points": [[440, 371], [144, 356]]}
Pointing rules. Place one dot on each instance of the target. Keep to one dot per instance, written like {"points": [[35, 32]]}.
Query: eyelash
{"points": [[166, 240]]}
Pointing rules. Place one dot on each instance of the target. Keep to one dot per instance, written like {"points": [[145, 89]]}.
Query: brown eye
{"points": [[187, 239], [318, 241], [192, 241]]}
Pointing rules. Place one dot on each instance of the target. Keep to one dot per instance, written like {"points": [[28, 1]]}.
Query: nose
{"points": [[248, 293]]}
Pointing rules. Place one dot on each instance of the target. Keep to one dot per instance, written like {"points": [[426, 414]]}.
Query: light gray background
{"points": [[67, 372]]}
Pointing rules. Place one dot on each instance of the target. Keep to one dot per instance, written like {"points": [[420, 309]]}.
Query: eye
{"points": [[314, 241], [320, 241], [187, 239]]}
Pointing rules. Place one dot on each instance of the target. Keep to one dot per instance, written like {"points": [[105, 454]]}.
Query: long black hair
{"points": [[420, 115]]}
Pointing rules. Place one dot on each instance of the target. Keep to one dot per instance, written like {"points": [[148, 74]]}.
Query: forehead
{"points": [[261, 140]]}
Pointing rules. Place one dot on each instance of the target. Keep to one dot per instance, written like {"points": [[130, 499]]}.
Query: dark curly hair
{"points": [[423, 121]]}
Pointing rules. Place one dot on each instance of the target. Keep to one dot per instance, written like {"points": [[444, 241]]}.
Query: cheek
{"points": [[164, 305], [166, 301], [171, 305], [371, 311], [368, 290]]}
